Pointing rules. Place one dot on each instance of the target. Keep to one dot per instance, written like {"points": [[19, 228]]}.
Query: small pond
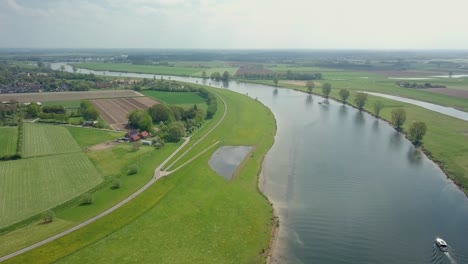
{"points": [[226, 159]]}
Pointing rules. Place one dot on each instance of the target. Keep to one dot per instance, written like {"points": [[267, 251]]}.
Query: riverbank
{"points": [[445, 142]]}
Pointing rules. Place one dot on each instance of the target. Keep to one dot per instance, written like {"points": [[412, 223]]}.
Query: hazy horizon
{"points": [[234, 25]]}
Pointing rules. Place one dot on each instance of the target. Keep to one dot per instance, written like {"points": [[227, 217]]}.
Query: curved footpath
{"points": [[158, 173]]}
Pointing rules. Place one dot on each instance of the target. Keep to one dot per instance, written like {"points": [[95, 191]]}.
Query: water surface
{"points": [[226, 159]]}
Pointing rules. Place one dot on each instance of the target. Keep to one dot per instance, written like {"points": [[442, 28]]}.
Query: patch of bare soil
{"points": [[450, 92], [105, 145]]}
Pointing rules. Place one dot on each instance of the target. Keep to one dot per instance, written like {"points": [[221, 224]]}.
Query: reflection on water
{"points": [[359, 118], [396, 140], [309, 100], [375, 125], [226, 159], [275, 92], [415, 155]]}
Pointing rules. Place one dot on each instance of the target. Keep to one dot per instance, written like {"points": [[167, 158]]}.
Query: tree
{"points": [[310, 85], [360, 100], [275, 81], [116, 184], [344, 94], [398, 117], [417, 131], [33, 109], [203, 75], [175, 132], [450, 74], [48, 216], [378, 105], [87, 199], [133, 169], [161, 113], [62, 68], [226, 76], [140, 119], [75, 69], [326, 89]]}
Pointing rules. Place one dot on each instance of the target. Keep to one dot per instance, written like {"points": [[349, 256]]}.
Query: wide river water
{"points": [[348, 188]]}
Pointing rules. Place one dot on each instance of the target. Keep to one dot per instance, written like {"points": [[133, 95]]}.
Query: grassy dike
{"points": [[191, 216], [446, 140]]}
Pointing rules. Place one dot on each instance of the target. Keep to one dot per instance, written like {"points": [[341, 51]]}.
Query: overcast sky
{"points": [[233, 24]]}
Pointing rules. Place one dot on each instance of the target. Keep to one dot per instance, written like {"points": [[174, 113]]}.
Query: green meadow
{"points": [[191, 216], [8, 140]]}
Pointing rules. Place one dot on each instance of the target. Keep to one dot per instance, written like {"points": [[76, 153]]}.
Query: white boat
{"points": [[441, 244]]}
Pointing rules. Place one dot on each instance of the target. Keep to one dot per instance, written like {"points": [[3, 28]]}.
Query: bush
{"points": [[48, 216], [116, 184], [87, 199], [133, 169]]}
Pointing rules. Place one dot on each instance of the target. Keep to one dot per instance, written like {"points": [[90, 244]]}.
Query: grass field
{"points": [[40, 140], [8, 140], [87, 137], [73, 104], [30, 186], [150, 69], [192, 216], [182, 98]]}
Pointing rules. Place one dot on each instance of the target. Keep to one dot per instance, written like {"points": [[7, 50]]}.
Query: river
{"points": [[348, 188]]}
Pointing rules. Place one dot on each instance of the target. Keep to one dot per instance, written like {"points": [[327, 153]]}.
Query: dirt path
{"points": [[157, 175]]}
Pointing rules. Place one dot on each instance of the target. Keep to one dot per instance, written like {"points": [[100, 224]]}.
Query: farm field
{"points": [[73, 104], [115, 111], [67, 96], [175, 97], [41, 139], [180, 212], [30, 186], [8, 140]]}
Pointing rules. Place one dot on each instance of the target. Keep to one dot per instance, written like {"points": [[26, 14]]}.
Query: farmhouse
{"points": [[134, 138], [144, 134]]}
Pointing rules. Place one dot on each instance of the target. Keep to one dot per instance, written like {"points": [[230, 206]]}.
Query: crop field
{"points": [[41, 139], [175, 97], [30, 186], [115, 111], [72, 104], [8, 140], [67, 96]]}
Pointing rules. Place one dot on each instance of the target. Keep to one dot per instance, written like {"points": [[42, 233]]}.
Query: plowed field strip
{"points": [[115, 111]]}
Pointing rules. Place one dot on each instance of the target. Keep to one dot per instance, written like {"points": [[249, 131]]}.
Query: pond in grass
{"points": [[226, 159]]}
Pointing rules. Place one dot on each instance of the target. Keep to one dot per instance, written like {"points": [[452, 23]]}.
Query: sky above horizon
{"points": [[234, 24]]}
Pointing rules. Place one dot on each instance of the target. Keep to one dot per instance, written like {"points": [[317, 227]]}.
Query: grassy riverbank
{"points": [[446, 141], [192, 216]]}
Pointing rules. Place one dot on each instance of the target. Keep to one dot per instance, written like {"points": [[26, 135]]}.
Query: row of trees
{"points": [[218, 77], [416, 131]]}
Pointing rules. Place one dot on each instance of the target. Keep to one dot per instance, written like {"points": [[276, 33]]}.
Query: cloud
{"points": [[234, 24]]}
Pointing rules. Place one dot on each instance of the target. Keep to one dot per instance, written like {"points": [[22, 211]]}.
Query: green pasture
{"points": [[175, 97], [41, 139], [192, 216], [30, 186], [87, 137], [8, 140]]}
